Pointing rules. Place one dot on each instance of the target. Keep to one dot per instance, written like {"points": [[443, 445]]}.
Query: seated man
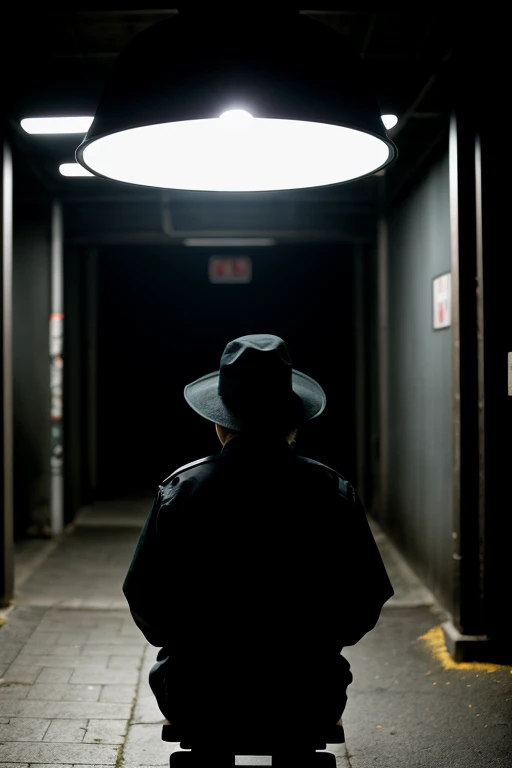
{"points": [[256, 566]]}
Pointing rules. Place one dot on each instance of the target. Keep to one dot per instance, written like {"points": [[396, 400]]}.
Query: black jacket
{"points": [[256, 554]]}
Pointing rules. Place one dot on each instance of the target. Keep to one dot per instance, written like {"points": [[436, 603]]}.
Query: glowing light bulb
{"points": [[389, 121], [236, 116]]}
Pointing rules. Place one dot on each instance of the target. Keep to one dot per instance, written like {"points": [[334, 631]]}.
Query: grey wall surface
{"points": [[31, 307], [74, 382], [419, 514]]}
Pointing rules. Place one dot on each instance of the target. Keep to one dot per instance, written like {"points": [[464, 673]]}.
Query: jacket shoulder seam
{"points": [[191, 465]]}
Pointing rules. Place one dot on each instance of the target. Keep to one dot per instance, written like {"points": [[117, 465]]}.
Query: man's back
{"points": [[257, 565]]}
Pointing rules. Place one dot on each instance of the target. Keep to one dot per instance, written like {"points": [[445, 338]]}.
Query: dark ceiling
{"points": [[57, 60]]}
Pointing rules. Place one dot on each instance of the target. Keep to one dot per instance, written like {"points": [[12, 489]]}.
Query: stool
{"points": [[199, 752]]}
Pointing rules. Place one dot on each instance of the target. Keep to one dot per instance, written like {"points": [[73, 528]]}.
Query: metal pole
{"points": [[92, 366], [467, 378], [358, 256], [6, 442], [383, 342], [56, 345]]}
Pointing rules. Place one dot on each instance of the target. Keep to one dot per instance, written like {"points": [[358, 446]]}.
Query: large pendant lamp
{"points": [[237, 102]]}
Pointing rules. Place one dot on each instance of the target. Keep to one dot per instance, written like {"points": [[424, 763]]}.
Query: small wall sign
{"points": [[230, 269], [442, 301]]}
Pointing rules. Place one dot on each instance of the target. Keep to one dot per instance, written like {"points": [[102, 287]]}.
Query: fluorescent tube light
{"points": [[235, 242], [74, 169], [55, 125]]}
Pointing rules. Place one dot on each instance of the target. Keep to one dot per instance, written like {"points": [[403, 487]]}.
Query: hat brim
{"points": [[203, 397]]}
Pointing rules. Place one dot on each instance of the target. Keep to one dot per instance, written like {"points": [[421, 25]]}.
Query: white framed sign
{"points": [[442, 301]]}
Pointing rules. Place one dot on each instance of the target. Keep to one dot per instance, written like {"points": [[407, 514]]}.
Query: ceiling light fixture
{"points": [[52, 125], [229, 242], [73, 169], [192, 105]]}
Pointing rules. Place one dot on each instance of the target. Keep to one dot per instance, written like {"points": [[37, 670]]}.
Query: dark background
{"points": [[162, 324]]}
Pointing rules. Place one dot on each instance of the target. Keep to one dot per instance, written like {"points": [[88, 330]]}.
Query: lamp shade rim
{"points": [[325, 170], [186, 70]]}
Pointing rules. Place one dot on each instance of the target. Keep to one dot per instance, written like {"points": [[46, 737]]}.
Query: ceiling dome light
{"points": [[283, 105]]}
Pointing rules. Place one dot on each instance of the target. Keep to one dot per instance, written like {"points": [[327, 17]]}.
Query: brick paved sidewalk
{"points": [[74, 670], [73, 665]]}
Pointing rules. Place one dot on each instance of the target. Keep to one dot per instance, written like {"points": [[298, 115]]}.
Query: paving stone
{"points": [[99, 662], [123, 694], [9, 651], [19, 765], [98, 637], [144, 746], [146, 710], [131, 765], [23, 674], [41, 752], [106, 732], [45, 638], [14, 690], [112, 650], [36, 649], [70, 621], [66, 731], [22, 622], [24, 729], [130, 629], [3, 670], [98, 710], [90, 616], [63, 692], [72, 638], [104, 676], [92, 602], [55, 675], [124, 662]]}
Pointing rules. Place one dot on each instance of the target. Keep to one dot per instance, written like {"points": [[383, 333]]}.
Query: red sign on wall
{"points": [[230, 269]]}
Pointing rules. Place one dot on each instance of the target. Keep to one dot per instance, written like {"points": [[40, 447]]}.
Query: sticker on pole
{"points": [[442, 301]]}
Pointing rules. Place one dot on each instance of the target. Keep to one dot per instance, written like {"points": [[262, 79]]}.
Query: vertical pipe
{"points": [[6, 512], [383, 340], [56, 345], [92, 357], [467, 371], [360, 381], [481, 376], [456, 383]]}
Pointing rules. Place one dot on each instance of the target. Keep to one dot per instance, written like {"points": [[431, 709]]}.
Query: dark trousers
{"points": [[252, 698]]}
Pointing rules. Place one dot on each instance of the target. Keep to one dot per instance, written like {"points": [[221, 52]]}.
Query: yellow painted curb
{"points": [[435, 641]]}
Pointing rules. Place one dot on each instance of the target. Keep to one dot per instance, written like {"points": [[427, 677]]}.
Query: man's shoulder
{"points": [[344, 486], [194, 467]]}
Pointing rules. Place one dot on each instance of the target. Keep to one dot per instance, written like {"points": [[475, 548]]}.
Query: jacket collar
{"points": [[257, 444]]}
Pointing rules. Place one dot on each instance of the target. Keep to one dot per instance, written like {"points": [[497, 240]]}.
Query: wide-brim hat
{"points": [[256, 388]]}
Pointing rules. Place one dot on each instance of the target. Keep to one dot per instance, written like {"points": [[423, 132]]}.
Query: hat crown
{"points": [[257, 365], [256, 389]]}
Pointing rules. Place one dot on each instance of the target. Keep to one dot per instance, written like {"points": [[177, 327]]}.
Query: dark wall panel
{"points": [[420, 386], [31, 391]]}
